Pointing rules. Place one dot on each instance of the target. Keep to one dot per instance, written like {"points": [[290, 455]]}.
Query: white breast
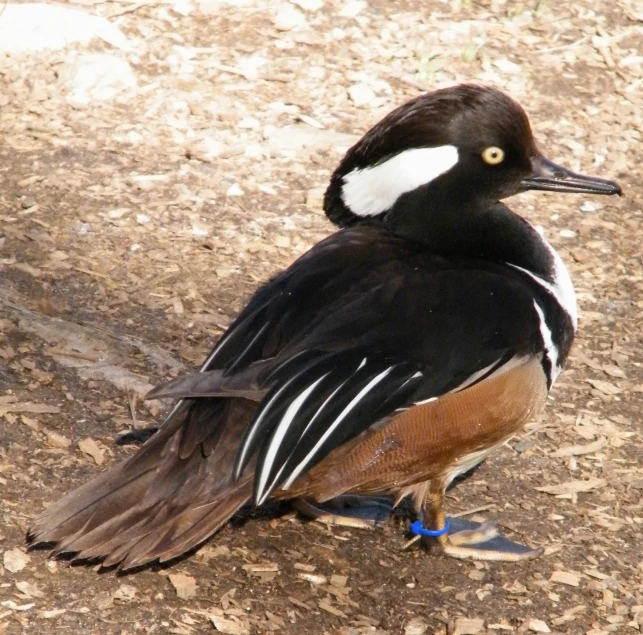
{"points": [[561, 287]]}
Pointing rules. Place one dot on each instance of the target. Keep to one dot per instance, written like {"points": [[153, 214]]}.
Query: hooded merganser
{"points": [[391, 358]]}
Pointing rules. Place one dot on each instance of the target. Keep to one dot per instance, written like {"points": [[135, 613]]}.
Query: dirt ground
{"points": [[133, 229]]}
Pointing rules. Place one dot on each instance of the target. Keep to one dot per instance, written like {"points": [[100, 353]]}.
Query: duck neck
{"points": [[487, 232]]}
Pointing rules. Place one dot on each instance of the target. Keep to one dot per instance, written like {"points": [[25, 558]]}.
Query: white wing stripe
{"points": [[280, 433], [550, 348], [246, 446], [360, 395]]}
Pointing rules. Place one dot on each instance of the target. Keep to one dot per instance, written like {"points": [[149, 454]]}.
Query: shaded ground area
{"points": [[134, 228]]}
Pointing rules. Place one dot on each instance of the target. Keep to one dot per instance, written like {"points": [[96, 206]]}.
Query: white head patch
{"points": [[371, 191]]}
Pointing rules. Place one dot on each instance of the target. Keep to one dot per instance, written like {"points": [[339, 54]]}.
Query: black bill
{"points": [[550, 177]]}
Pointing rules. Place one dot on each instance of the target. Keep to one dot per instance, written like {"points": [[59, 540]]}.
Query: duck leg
{"points": [[361, 512], [470, 540]]}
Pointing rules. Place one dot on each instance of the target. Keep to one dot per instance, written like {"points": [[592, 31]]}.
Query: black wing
{"points": [[362, 325]]}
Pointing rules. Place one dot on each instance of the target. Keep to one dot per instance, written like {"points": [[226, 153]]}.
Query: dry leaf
{"points": [[125, 593], [88, 446], [184, 585], [606, 387], [579, 356], [29, 589], [572, 487], [614, 371], [228, 627], [207, 553], [15, 560]]}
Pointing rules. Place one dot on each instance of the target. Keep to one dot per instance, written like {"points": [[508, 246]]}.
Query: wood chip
{"points": [[329, 608], [261, 568], [56, 440], [573, 487], [313, 578], [32, 408], [416, 626], [565, 577], [184, 585], [48, 615], [89, 446], [578, 450], [338, 580], [468, 626]]}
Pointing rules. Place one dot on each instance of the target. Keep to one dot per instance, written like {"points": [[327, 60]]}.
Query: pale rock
{"points": [[199, 231], [289, 18], [361, 94], [33, 27], [251, 64], [249, 123], [296, 137], [205, 149], [352, 8], [309, 5], [182, 7], [235, 190], [210, 7], [285, 43], [589, 207], [506, 66], [96, 77], [254, 151]]}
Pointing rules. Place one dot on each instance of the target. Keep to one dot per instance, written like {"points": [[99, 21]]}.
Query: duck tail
{"points": [[174, 493]]}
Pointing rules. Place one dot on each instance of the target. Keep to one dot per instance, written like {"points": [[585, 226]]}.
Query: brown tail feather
{"points": [[175, 492]]}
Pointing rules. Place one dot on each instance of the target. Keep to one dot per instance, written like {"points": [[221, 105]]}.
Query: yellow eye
{"points": [[493, 155]]}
